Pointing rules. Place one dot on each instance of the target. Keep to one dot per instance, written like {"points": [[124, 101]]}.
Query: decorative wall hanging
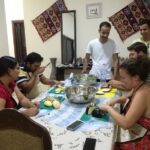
{"points": [[126, 20], [48, 23]]}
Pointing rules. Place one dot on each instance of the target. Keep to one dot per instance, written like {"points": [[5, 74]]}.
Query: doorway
{"points": [[19, 40]]}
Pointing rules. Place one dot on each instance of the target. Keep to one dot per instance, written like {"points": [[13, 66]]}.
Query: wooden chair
{"points": [[19, 132]]}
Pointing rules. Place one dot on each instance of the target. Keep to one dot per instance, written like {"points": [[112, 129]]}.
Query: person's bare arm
{"points": [[86, 62], [47, 81], [120, 100], [24, 101], [32, 108], [139, 103], [20, 97], [27, 85], [116, 65], [30, 111], [117, 84]]}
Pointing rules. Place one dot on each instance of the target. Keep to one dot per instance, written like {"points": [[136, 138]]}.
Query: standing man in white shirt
{"points": [[144, 26], [104, 54]]}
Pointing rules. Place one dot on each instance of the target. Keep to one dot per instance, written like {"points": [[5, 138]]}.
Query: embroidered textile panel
{"points": [[126, 20], [48, 23]]}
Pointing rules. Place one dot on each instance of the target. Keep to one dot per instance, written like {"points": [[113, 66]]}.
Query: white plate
{"points": [[106, 89], [99, 92]]}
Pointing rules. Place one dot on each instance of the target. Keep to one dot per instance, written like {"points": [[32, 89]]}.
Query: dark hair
{"points": [[105, 23], [139, 66], [6, 63], [33, 57], [144, 21], [138, 47]]}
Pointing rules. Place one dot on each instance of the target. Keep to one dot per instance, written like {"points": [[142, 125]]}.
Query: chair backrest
{"points": [[19, 132]]}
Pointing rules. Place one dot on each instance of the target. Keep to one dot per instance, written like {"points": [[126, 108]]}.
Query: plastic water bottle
{"points": [[103, 74], [69, 81]]}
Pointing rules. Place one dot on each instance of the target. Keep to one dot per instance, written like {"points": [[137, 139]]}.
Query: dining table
{"points": [[102, 129]]}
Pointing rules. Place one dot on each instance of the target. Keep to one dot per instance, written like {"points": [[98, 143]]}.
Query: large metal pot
{"points": [[80, 93]]}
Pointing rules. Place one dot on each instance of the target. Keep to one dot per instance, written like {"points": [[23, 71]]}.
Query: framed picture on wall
{"points": [[93, 10]]}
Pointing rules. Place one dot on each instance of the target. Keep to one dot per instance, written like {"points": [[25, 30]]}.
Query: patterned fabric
{"points": [[126, 20], [139, 143], [48, 23]]}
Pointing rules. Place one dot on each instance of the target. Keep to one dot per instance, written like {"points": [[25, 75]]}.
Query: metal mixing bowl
{"points": [[80, 93], [85, 79]]}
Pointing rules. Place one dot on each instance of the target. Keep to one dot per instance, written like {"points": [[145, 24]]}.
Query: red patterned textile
{"points": [[48, 23], [140, 143], [126, 20]]}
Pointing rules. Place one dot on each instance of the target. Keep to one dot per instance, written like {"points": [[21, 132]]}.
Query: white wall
{"points": [[68, 23], [3, 31], [14, 11], [9, 11], [87, 29]]}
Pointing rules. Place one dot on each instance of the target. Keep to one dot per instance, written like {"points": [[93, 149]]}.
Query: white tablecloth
{"points": [[63, 139]]}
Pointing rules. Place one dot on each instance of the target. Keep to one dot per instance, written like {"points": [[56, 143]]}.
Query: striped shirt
{"points": [[26, 75]]}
